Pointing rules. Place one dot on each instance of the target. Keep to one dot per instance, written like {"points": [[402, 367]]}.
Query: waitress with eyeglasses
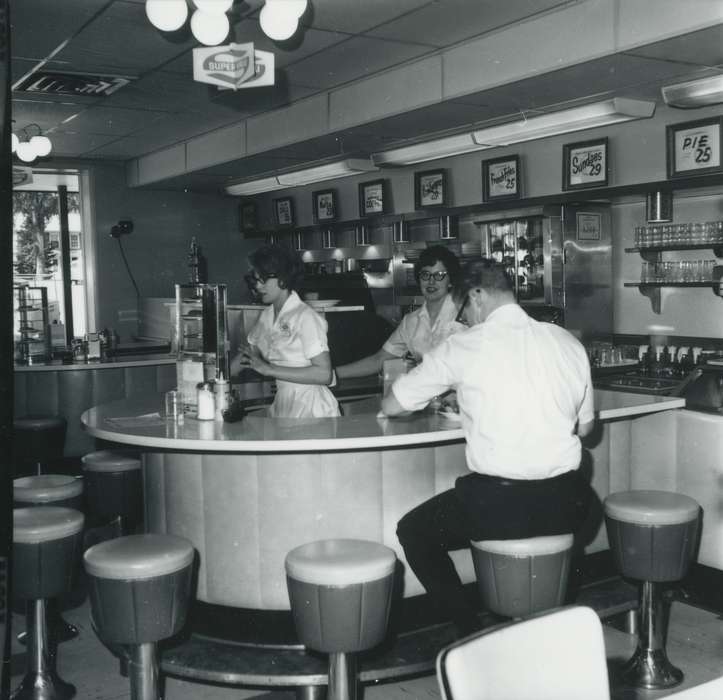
{"points": [[438, 274], [288, 342]]}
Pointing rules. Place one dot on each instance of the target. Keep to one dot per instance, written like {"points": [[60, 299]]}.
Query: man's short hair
{"points": [[487, 274]]}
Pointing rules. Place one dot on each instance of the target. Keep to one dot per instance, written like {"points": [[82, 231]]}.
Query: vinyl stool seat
{"points": [[46, 548], [36, 441], [48, 489], [140, 586], [653, 536], [114, 488], [340, 592], [517, 578]]}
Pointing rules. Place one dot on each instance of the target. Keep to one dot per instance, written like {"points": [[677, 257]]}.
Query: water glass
{"points": [[174, 406]]}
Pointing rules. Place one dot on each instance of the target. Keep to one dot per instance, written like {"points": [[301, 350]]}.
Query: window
{"points": [[48, 249]]}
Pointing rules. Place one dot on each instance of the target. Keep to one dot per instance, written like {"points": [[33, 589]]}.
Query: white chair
{"points": [[556, 655]]}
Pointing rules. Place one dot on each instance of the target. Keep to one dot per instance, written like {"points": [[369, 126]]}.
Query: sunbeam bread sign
{"points": [[234, 66]]}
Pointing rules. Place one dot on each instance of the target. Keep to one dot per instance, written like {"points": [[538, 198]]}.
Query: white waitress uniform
{"points": [[296, 335]]}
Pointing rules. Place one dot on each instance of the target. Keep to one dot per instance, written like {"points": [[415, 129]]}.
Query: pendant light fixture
{"points": [[32, 147], [209, 23], [279, 19]]}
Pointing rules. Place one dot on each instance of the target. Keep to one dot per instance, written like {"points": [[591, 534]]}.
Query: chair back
{"points": [[556, 655]]}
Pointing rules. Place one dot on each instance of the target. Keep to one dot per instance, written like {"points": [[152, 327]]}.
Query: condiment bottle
{"points": [[222, 393], [206, 402]]}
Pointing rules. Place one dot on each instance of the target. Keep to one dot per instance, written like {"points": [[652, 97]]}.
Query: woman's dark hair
{"points": [[439, 253], [284, 264]]}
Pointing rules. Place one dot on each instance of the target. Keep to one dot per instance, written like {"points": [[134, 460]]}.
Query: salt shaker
{"points": [[206, 402], [222, 395]]}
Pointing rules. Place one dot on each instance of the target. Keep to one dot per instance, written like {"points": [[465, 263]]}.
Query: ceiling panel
{"points": [[77, 144], [356, 16], [114, 121], [121, 40], [703, 48], [438, 23], [39, 27], [47, 115], [356, 58]]}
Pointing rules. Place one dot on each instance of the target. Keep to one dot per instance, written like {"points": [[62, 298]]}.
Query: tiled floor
{"points": [[695, 644]]}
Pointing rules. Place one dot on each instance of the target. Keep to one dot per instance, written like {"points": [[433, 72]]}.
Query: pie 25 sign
{"points": [[694, 148]]}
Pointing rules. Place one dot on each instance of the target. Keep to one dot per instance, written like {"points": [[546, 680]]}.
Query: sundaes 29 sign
{"points": [[585, 164], [233, 67]]}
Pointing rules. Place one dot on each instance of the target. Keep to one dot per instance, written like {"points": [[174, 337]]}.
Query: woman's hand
{"points": [[250, 356]]}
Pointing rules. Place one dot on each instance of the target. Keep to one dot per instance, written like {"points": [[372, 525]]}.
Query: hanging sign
{"points": [[233, 66]]}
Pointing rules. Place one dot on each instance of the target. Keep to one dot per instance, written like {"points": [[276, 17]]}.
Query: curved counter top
{"points": [[138, 421]]}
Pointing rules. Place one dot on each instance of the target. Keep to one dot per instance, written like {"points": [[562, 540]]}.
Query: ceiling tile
{"points": [[115, 121], [121, 40], [59, 21], [438, 23], [702, 48], [356, 16], [77, 144], [47, 115], [356, 58]]}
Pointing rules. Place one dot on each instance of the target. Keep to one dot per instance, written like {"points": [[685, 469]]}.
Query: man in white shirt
{"points": [[525, 398]]}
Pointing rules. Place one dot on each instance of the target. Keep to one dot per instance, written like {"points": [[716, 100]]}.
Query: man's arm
{"points": [[584, 429]]}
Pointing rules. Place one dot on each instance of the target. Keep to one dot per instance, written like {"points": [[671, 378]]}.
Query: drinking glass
{"points": [[173, 406]]}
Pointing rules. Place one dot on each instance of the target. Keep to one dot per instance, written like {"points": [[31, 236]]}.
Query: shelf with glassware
{"points": [[653, 240], [32, 334]]}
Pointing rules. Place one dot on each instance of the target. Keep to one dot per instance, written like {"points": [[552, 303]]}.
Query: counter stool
{"points": [[46, 549], [36, 441], [139, 591], [517, 578], [340, 592], [653, 536], [114, 489], [58, 490]]}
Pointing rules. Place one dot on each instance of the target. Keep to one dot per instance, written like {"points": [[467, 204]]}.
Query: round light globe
{"points": [[290, 7], [214, 7], [276, 23], [41, 145], [210, 29], [26, 152], [14, 141], [167, 15]]}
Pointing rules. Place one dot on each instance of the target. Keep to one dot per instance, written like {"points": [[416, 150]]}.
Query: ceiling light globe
{"points": [[210, 29], [296, 8], [14, 142], [26, 152], [167, 15], [41, 145], [276, 23], [214, 7]]}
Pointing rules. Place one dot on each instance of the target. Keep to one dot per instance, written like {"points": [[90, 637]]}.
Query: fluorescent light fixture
{"points": [[694, 93], [613, 111], [429, 150], [319, 173]]}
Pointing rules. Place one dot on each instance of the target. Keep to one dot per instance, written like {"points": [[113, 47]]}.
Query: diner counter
{"points": [[140, 360], [138, 421], [247, 493]]}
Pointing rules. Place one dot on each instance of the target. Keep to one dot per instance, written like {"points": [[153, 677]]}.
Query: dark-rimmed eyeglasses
{"points": [[253, 280], [460, 317], [425, 275]]}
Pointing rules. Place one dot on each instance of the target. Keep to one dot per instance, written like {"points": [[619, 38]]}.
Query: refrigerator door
{"points": [[587, 269]]}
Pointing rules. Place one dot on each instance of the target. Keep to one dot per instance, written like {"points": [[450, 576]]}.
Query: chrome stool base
{"points": [[649, 666], [43, 687]]}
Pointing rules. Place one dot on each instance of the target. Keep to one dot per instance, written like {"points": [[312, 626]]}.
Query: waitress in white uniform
{"points": [[438, 274], [288, 341]]}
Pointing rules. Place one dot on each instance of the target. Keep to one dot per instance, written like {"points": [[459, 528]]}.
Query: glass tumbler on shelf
{"points": [[697, 233], [645, 272]]}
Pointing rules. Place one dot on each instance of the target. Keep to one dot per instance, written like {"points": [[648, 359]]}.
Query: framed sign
{"points": [[501, 178], [247, 212], [694, 148], [324, 205], [371, 198], [284, 211], [430, 189], [589, 226], [585, 164]]}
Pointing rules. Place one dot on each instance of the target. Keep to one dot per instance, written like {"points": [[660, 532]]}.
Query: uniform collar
{"points": [[448, 312], [505, 311], [292, 302]]}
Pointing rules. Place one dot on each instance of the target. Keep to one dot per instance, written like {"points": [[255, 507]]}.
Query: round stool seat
{"points": [[340, 562], [139, 587], [46, 548], [36, 441], [139, 557], [35, 525], [340, 592], [111, 461], [46, 489], [651, 507], [529, 547], [517, 578]]}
